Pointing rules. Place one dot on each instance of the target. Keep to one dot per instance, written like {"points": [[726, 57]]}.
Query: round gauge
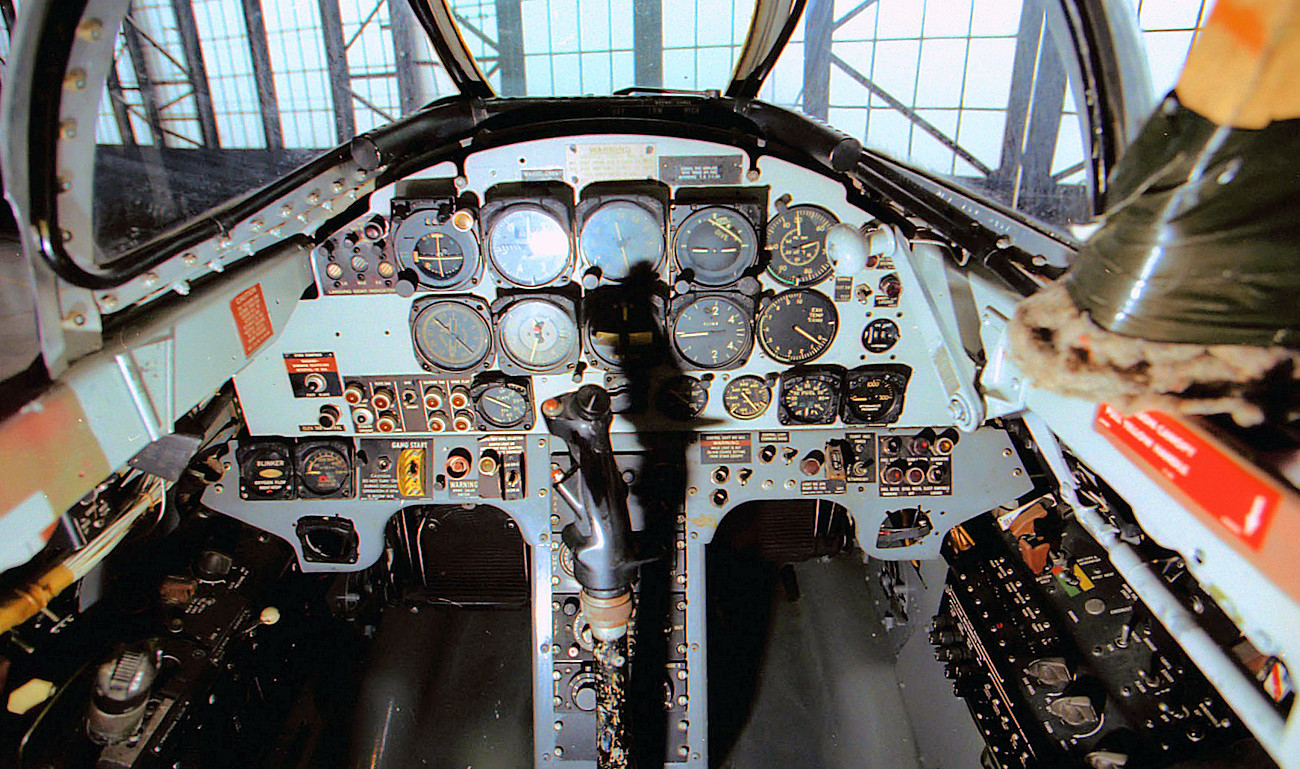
{"points": [[451, 335], [810, 399], [537, 334], [871, 398], [620, 332], [797, 326], [747, 397], [502, 405], [712, 332], [880, 335], [529, 246], [717, 244], [619, 236], [440, 255], [683, 398], [324, 470], [797, 242]]}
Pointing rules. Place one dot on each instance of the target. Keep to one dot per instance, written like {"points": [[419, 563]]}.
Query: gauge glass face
{"points": [[452, 335], [797, 326], [810, 399], [439, 258], [529, 246], [324, 470], [619, 236], [747, 397], [503, 405], [683, 398], [874, 397], [796, 240], [538, 334], [621, 333], [717, 244], [880, 335], [712, 332]]}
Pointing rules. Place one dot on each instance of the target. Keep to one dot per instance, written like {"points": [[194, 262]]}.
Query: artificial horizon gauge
{"points": [[503, 405], [712, 332], [796, 241], [683, 398], [529, 246], [441, 255], [619, 332], [324, 470], [621, 236], [810, 397], [747, 397], [537, 334], [450, 334], [797, 326], [717, 244]]}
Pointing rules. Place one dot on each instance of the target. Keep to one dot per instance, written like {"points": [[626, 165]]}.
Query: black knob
{"points": [[591, 402]]}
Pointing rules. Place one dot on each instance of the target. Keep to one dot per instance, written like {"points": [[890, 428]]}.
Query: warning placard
{"points": [[1221, 487], [717, 448], [252, 321]]}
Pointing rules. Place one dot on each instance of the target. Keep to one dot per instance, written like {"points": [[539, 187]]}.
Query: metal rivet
{"points": [[68, 128], [91, 29], [75, 80]]}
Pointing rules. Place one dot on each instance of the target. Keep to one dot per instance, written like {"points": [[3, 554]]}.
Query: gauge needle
{"points": [[502, 404], [685, 334], [447, 328], [532, 353], [807, 336], [682, 398], [751, 403], [621, 249]]}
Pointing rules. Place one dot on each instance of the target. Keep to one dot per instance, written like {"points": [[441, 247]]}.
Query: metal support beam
{"points": [[259, 52], [121, 116], [819, 20], [197, 72], [1038, 83], [510, 47], [405, 44], [648, 51], [336, 58], [148, 94]]}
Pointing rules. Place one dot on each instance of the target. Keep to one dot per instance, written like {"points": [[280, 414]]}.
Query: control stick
{"points": [[603, 561]]}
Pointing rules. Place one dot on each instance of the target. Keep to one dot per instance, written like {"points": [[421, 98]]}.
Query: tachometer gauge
{"points": [[747, 397], [712, 332], [324, 470], [717, 244], [529, 246], [810, 397], [451, 334], [874, 394], [503, 405], [619, 236], [683, 398], [797, 326], [796, 240], [440, 255], [538, 335]]}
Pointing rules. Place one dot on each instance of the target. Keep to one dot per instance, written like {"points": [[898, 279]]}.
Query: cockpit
{"points": [[607, 384]]}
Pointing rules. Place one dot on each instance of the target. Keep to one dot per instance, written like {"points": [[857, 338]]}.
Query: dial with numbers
{"points": [[797, 326], [796, 242], [712, 332]]}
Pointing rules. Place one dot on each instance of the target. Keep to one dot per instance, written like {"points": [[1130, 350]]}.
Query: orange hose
{"points": [[25, 601]]}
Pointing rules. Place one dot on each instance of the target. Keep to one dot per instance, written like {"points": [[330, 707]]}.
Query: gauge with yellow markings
{"points": [[797, 326], [712, 332], [717, 244], [503, 405], [796, 241], [324, 470], [538, 335], [451, 334], [622, 236], [747, 397], [683, 398], [441, 255]]}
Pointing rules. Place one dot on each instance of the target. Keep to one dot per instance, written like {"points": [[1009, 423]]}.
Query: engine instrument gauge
{"points": [[503, 405], [874, 394], [717, 244], [537, 334], [796, 240], [324, 470], [797, 326], [450, 334], [529, 246], [811, 396], [683, 398], [619, 236], [747, 397], [712, 332], [441, 255]]}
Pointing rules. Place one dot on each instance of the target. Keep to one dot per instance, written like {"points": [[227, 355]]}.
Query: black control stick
{"points": [[603, 561]]}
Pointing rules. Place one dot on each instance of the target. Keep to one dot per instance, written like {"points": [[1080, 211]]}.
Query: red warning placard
{"points": [[1224, 490], [251, 318]]}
